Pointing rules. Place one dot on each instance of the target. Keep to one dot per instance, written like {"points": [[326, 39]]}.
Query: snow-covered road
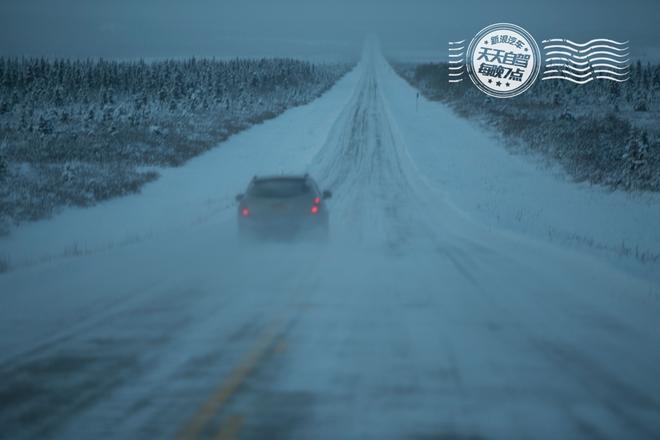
{"points": [[436, 310]]}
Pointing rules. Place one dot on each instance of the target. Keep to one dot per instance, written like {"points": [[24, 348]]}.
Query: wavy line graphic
{"points": [[586, 80], [584, 69], [456, 61], [589, 56], [587, 63], [580, 63], [588, 43], [585, 75], [589, 49]]}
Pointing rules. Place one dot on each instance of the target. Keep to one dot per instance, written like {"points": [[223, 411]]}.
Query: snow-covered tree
{"points": [[4, 164], [636, 158], [45, 126]]}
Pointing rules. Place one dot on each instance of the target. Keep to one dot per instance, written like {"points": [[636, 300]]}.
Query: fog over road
{"points": [[417, 320]]}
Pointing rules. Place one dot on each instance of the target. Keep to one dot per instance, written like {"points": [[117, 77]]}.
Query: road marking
{"points": [[228, 387], [230, 428], [281, 346]]}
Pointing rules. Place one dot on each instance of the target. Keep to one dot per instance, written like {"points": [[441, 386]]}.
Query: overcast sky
{"points": [[303, 28]]}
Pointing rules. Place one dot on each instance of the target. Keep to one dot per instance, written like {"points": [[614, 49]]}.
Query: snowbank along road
{"points": [[423, 317]]}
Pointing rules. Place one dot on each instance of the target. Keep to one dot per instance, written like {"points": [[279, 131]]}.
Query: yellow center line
{"points": [[281, 346], [228, 387], [230, 428]]}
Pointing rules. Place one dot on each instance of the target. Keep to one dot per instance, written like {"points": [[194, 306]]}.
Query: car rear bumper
{"points": [[282, 229]]}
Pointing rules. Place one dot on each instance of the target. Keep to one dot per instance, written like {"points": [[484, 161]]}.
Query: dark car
{"points": [[283, 207]]}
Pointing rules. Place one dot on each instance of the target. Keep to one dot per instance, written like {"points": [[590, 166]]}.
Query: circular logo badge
{"points": [[503, 60]]}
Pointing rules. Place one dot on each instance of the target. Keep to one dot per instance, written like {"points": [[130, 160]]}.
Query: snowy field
{"points": [[465, 293], [601, 132], [76, 132]]}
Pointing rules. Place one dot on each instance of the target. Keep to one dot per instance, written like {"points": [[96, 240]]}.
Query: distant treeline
{"points": [[603, 132], [93, 90], [76, 131]]}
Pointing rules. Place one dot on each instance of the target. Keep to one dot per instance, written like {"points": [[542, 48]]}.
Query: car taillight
{"points": [[315, 206], [245, 212]]}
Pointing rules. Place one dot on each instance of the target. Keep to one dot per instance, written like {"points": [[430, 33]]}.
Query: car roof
{"points": [[282, 177]]}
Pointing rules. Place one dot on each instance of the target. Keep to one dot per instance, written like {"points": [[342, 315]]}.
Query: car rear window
{"points": [[279, 188]]}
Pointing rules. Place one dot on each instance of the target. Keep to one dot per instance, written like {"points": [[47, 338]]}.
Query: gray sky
{"points": [[302, 28]]}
